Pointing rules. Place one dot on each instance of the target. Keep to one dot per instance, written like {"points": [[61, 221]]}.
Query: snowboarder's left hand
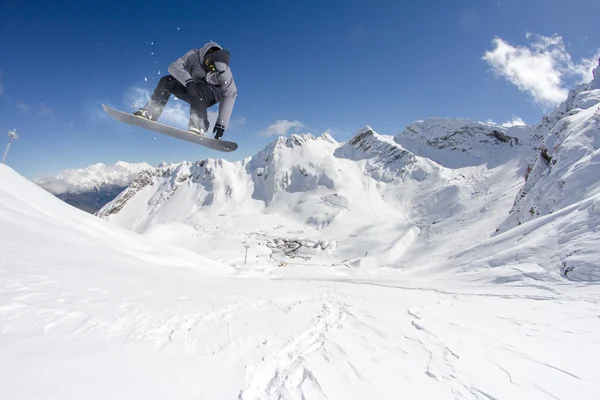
{"points": [[218, 130], [191, 89]]}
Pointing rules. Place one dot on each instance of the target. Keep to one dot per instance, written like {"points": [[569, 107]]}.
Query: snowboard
{"points": [[128, 118]]}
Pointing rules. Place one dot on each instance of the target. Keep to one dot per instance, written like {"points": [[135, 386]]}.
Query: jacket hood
{"points": [[204, 49]]}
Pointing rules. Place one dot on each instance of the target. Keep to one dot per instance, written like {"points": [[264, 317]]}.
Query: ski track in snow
{"points": [[345, 330], [130, 322], [440, 364], [282, 373]]}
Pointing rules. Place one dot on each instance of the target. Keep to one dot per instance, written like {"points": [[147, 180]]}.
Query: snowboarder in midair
{"points": [[202, 78]]}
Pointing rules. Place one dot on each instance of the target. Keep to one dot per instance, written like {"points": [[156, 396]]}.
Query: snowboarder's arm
{"points": [[179, 68], [228, 100]]}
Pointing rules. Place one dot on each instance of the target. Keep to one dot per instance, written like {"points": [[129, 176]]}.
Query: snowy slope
{"points": [[365, 203], [459, 142], [89, 310], [555, 213], [565, 168], [93, 187], [562, 189]]}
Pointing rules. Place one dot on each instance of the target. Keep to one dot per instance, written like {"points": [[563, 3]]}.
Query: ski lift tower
{"points": [[11, 135]]}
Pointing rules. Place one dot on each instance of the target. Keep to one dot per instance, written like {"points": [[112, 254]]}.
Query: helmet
{"points": [[217, 61]]}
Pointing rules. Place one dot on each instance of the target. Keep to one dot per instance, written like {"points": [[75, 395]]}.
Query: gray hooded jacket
{"points": [[190, 67]]}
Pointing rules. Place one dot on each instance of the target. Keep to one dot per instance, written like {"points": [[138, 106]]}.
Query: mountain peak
{"points": [[301, 139], [283, 145], [362, 135], [372, 144]]}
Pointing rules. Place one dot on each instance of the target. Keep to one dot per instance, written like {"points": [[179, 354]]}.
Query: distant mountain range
{"points": [[90, 188]]}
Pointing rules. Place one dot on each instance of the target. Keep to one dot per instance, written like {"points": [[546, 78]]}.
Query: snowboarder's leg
{"points": [[199, 106], [167, 85]]}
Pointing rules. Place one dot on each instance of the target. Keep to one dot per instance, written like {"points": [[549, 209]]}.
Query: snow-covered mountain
{"points": [[562, 183], [91, 188], [434, 137], [386, 201], [397, 199]]}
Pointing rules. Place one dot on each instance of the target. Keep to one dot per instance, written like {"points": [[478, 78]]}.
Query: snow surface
{"points": [[90, 310], [387, 267]]}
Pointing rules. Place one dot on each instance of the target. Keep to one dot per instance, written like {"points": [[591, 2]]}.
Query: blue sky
{"points": [[300, 66]]}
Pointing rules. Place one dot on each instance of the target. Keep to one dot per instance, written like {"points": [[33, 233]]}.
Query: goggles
{"points": [[219, 67]]}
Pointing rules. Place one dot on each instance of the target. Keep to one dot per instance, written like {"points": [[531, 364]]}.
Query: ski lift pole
{"points": [[246, 255], [12, 135]]}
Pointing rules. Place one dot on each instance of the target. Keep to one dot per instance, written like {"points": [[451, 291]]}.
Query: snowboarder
{"points": [[202, 78]]}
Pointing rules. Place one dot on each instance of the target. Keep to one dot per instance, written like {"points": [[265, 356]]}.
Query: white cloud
{"points": [[44, 110], [176, 113], [543, 70], [281, 128], [93, 176], [23, 107], [516, 121]]}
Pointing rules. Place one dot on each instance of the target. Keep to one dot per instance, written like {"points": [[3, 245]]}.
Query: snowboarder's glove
{"points": [[218, 130]]}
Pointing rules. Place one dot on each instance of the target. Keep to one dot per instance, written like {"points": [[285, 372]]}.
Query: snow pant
{"points": [[199, 102]]}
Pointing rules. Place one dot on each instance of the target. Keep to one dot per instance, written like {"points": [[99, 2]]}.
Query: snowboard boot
{"points": [[142, 112], [197, 131]]}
